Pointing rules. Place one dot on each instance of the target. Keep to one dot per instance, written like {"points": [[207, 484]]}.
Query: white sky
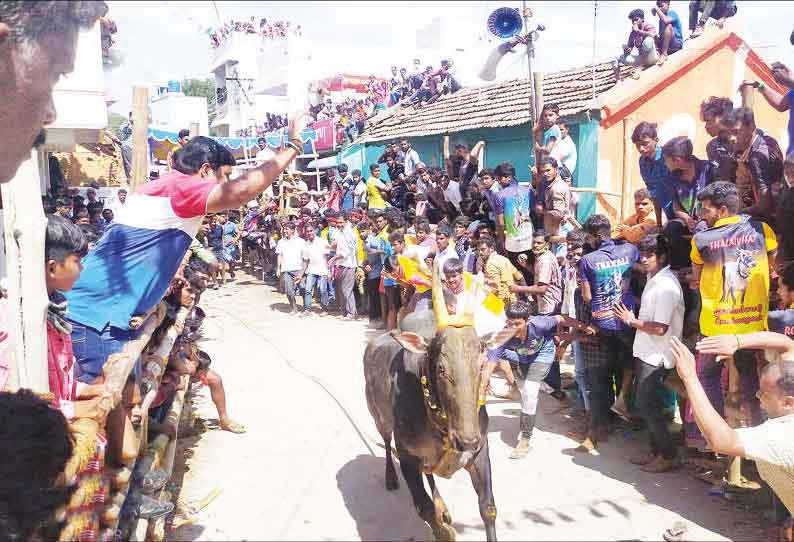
{"points": [[163, 40]]}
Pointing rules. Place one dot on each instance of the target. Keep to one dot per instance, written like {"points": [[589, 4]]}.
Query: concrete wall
{"points": [[676, 109], [175, 111]]}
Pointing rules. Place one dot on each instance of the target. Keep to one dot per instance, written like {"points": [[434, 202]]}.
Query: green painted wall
{"points": [[586, 166], [512, 144]]}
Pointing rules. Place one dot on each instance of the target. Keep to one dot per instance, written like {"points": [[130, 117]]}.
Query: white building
{"points": [[239, 103], [172, 111]]}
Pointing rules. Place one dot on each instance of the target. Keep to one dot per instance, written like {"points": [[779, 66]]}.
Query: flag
{"points": [[411, 274]]}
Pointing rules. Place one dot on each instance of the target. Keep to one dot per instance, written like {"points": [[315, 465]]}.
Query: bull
{"points": [[423, 388]]}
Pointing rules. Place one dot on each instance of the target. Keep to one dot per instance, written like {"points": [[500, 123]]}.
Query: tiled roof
{"points": [[501, 104]]}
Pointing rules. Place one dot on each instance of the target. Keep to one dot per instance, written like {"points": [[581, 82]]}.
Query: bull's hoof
{"points": [[444, 533], [392, 483]]}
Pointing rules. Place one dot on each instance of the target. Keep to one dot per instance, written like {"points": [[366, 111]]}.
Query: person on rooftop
{"points": [[642, 38]]}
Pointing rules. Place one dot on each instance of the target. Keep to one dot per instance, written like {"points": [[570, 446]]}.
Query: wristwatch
{"points": [[292, 145]]}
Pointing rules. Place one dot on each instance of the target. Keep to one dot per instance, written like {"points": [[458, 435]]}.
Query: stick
{"points": [[140, 131]]}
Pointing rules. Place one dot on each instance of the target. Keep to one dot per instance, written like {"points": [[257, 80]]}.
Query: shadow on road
{"points": [[379, 514]]}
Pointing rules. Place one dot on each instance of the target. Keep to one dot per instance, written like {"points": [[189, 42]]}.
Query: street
{"points": [[310, 466]]}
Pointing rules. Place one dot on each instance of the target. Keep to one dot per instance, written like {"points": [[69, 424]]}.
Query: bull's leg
{"points": [[480, 471], [412, 472], [442, 512], [392, 482]]}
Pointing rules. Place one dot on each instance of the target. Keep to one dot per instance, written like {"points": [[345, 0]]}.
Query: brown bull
{"points": [[425, 392]]}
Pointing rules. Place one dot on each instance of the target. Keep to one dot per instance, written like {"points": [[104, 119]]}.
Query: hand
{"points": [[719, 345], [620, 229], [635, 26], [691, 223], [297, 279], [653, 10], [590, 330], [684, 360], [748, 83], [135, 322], [623, 313], [296, 124]]}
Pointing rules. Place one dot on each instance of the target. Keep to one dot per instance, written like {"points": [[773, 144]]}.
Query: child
{"points": [[64, 246]]}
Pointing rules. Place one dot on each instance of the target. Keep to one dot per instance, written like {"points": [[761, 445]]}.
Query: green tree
{"points": [[203, 88], [114, 121]]}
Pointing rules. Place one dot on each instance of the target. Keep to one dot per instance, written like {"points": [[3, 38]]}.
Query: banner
{"points": [[326, 134]]}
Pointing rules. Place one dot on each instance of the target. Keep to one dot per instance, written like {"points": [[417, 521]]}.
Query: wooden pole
{"points": [[25, 227], [626, 169], [140, 132]]}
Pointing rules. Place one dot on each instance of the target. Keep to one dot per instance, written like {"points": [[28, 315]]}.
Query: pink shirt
{"points": [[60, 368]]}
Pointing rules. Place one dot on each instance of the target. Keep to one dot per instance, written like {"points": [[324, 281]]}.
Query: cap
{"points": [[253, 204]]}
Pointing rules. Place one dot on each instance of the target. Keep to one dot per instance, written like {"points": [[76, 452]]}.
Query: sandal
{"points": [[233, 427]]}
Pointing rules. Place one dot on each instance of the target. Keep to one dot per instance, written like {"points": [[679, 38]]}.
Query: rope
{"points": [[365, 438], [595, 28]]}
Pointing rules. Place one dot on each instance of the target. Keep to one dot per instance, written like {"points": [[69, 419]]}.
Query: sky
{"points": [[163, 40]]}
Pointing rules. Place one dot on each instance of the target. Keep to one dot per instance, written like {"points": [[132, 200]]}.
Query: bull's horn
{"points": [[439, 305]]}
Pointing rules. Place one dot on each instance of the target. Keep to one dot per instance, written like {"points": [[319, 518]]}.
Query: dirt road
{"points": [[309, 467]]}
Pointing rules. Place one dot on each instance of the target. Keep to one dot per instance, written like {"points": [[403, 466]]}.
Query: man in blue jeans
{"points": [[315, 268], [132, 266], [530, 353]]}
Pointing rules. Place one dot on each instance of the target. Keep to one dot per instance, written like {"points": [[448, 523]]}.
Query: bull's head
{"points": [[451, 369]]}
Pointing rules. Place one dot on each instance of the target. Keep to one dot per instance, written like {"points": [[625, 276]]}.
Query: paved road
{"points": [[309, 467]]}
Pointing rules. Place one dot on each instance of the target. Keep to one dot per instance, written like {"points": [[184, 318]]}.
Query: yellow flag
{"points": [[410, 273]]}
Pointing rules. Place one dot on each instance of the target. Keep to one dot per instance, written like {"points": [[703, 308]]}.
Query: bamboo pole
{"points": [[140, 132], [25, 226]]}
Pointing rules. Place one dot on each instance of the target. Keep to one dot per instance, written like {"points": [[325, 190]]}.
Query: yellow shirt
{"points": [[374, 196], [734, 279], [360, 253], [502, 272]]}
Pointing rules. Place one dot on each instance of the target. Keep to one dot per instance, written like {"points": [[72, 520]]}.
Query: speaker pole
{"points": [[527, 13]]}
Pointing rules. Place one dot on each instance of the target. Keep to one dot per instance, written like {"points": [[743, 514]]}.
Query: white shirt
{"points": [[452, 194], [265, 154], [565, 151], [347, 247], [360, 193], [771, 446], [411, 159], [316, 253], [446, 254], [291, 252], [662, 302]]}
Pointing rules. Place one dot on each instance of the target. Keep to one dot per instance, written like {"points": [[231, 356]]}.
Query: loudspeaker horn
{"points": [[505, 22]]}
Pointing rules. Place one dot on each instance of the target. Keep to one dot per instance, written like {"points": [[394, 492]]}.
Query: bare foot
{"points": [[232, 426]]}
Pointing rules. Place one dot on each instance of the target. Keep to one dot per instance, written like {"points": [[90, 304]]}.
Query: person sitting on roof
{"points": [[719, 10], [642, 38], [671, 36]]}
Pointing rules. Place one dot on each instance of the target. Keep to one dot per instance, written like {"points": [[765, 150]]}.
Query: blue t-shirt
{"points": [[538, 346], [790, 99], [656, 177], [608, 270], [374, 260], [347, 190], [133, 263], [678, 33], [782, 322]]}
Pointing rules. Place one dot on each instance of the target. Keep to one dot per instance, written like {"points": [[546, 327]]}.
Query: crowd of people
{"points": [[683, 307], [655, 310], [271, 30]]}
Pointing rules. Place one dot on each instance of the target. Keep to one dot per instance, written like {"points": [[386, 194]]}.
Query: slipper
{"points": [[675, 533]]}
